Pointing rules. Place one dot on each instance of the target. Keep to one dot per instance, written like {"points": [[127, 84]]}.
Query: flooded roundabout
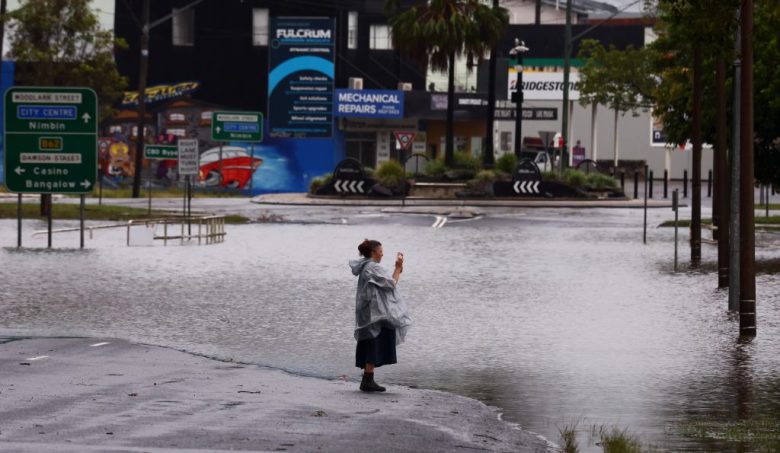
{"points": [[562, 318]]}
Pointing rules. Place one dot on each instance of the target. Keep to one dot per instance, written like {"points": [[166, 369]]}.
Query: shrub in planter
{"points": [[465, 161], [574, 178], [390, 174], [550, 176], [598, 181], [435, 168], [319, 181], [485, 176], [506, 163]]}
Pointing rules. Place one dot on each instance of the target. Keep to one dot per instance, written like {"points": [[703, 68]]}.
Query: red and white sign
{"points": [[405, 139]]}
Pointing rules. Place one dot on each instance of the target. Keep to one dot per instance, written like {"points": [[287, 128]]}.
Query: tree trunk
{"points": [[696, 139], [449, 151]]}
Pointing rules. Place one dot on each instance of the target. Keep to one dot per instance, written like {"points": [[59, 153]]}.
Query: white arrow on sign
{"points": [[349, 186], [219, 129], [86, 117], [525, 187], [19, 170], [86, 184]]}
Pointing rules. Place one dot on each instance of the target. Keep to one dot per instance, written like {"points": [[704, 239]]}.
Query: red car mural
{"points": [[233, 171]]}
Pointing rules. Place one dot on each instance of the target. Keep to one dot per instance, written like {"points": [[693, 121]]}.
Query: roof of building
{"points": [[584, 6]]}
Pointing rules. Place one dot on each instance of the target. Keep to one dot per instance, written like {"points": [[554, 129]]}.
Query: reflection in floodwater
{"points": [[556, 317]]}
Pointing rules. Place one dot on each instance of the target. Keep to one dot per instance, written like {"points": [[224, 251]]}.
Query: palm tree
{"points": [[435, 31]]}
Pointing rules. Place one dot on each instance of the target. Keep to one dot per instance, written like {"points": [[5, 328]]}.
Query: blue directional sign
{"points": [[46, 112]]}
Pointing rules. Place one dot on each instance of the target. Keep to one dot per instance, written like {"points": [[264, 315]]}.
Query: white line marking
{"points": [[31, 359], [440, 221], [99, 344]]}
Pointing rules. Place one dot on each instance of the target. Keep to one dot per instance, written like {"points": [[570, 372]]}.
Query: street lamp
{"points": [[517, 51]]}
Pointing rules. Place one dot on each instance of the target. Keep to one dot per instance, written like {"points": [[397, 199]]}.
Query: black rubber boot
{"points": [[368, 384]]}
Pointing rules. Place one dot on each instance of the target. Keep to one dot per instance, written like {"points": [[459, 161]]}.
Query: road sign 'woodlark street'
{"points": [[50, 139]]}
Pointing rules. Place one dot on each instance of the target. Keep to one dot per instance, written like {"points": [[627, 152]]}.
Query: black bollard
{"points": [[651, 184], [623, 180], [709, 184], [666, 184], [685, 183], [636, 184]]}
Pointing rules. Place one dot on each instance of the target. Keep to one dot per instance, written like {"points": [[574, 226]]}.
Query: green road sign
{"points": [[50, 139], [161, 152], [237, 126]]}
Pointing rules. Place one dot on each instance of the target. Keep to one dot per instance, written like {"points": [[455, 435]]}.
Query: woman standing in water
{"points": [[381, 317]]}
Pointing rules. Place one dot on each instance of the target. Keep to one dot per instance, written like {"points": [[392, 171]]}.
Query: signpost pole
{"points": [[149, 182], [81, 218], [48, 221], [19, 221], [644, 234], [221, 166], [189, 206], [251, 177]]}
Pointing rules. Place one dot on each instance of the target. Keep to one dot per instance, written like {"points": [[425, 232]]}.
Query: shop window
{"points": [[380, 37], [260, 27], [352, 30], [183, 27]]}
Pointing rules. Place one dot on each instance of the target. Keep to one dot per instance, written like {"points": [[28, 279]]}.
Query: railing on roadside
{"points": [[210, 229], [206, 229]]}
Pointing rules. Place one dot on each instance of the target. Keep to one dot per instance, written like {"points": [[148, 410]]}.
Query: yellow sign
{"points": [[50, 143], [161, 92]]}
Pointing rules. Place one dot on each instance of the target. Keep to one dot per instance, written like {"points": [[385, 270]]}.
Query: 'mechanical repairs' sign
{"points": [[51, 139]]}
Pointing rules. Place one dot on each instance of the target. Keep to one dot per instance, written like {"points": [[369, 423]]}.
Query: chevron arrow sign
{"points": [[349, 186], [526, 187]]}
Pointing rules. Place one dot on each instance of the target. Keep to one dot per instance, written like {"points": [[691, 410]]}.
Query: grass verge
{"points": [[92, 212]]}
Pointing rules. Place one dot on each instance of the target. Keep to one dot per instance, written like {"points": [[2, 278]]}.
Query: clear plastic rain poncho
{"points": [[377, 301]]}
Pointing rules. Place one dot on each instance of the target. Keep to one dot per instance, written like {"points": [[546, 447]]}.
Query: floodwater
{"points": [[561, 318]]}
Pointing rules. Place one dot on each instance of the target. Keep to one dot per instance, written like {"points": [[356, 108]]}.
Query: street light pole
{"points": [[487, 158], [517, 51], [566, 71], [142, 73], [747, 258]]}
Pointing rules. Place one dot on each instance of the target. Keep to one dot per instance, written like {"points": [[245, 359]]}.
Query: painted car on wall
{"points": [[233, 171]]}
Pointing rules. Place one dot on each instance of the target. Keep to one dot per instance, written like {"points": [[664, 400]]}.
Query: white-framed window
{"points": [[352, 30], [183, 27], [259, 26], [380, 37]]}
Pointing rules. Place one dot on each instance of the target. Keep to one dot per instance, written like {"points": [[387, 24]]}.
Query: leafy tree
{"points": [[620, 79], [434, 32], [767, 91], [60, 43]]}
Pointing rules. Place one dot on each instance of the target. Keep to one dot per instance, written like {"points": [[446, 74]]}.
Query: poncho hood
{"points": [[358, 265]]}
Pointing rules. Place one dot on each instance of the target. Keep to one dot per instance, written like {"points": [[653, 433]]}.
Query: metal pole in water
{"points": [[48, 219], [666, 184], [644, 234], [81, 218], [685, 183], [651, 183], [675, 207], [636, 184], [150, 193], [19, 221]]}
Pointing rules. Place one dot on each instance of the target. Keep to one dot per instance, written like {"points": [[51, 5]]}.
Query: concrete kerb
{"points": [[304, 199]]}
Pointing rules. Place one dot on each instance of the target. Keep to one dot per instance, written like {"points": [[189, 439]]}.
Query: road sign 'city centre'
{"points": [[51, 139]]}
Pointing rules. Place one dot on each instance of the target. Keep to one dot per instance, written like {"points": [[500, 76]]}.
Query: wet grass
{"points": [[761, 435], [92, 212], [167, 192], [763, 221], [610, 439]]}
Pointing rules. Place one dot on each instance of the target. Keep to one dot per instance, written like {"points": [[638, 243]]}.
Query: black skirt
{"points": [[378, 351]]}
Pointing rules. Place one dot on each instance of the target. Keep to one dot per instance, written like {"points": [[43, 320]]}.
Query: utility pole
{"points": [[696, 139], [518, 51], [734, 241], [487, 155], [747, 287], [566, 70], [722, 182], [143, 67]]}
